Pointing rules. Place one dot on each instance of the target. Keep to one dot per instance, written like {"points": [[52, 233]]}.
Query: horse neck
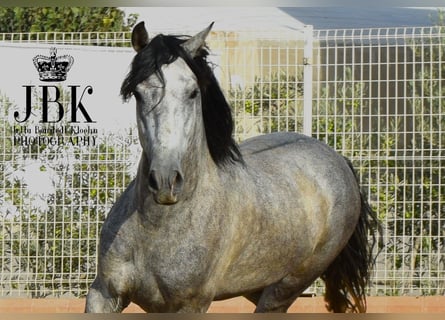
{"points": [[199, 166]]}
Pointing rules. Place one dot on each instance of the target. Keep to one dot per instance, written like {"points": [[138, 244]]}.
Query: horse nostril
{"points": [[176, 181], [153, 181]]}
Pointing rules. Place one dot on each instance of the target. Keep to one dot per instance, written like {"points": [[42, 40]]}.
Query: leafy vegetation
{"points": [[64, 19], [271, 104]]}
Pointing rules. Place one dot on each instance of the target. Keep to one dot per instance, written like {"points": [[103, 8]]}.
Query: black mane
{"points": [[218, 122]]}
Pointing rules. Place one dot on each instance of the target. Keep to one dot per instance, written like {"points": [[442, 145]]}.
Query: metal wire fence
{"points": [[111, 39], [374, 94], [379, 102]]}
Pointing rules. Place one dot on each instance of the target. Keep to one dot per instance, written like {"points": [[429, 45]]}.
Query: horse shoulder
{"points": [[118, 239]]}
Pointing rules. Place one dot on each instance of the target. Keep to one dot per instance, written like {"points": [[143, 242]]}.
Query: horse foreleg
{"points": [[99, 300]]}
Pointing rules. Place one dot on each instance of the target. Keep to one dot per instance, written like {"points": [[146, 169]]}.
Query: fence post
{"points": [[307, 80]]}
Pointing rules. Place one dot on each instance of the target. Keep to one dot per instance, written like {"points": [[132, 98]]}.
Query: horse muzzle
{"points": [[166, 185]]}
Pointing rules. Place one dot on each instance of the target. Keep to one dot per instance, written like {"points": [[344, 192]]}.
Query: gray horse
{"points": [[206, 219]]}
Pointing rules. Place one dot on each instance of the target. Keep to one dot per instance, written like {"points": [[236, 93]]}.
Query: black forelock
{"points": [[216, 112], [149, 60]]}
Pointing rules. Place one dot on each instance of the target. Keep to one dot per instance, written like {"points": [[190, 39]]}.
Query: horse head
{"points": [[164, 81]]}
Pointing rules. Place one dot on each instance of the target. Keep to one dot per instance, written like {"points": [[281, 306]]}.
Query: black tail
{"points": [[347, 277]]}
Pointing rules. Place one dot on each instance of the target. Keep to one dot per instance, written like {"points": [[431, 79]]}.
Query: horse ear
{"points": [[139, 37], [195, 43]]}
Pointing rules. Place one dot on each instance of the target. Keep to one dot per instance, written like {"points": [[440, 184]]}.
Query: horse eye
{"points": [[194, 94]]}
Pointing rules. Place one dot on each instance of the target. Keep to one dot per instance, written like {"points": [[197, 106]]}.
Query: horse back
{"points": [[300, 157]]}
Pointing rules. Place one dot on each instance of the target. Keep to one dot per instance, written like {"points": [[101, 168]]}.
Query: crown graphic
{"points": [[53, 68]]}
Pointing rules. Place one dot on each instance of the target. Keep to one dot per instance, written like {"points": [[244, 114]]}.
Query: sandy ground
{"points": [[435, 304]]}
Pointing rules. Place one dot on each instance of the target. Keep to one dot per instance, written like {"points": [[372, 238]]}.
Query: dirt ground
{"points": [[433, 304]]}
